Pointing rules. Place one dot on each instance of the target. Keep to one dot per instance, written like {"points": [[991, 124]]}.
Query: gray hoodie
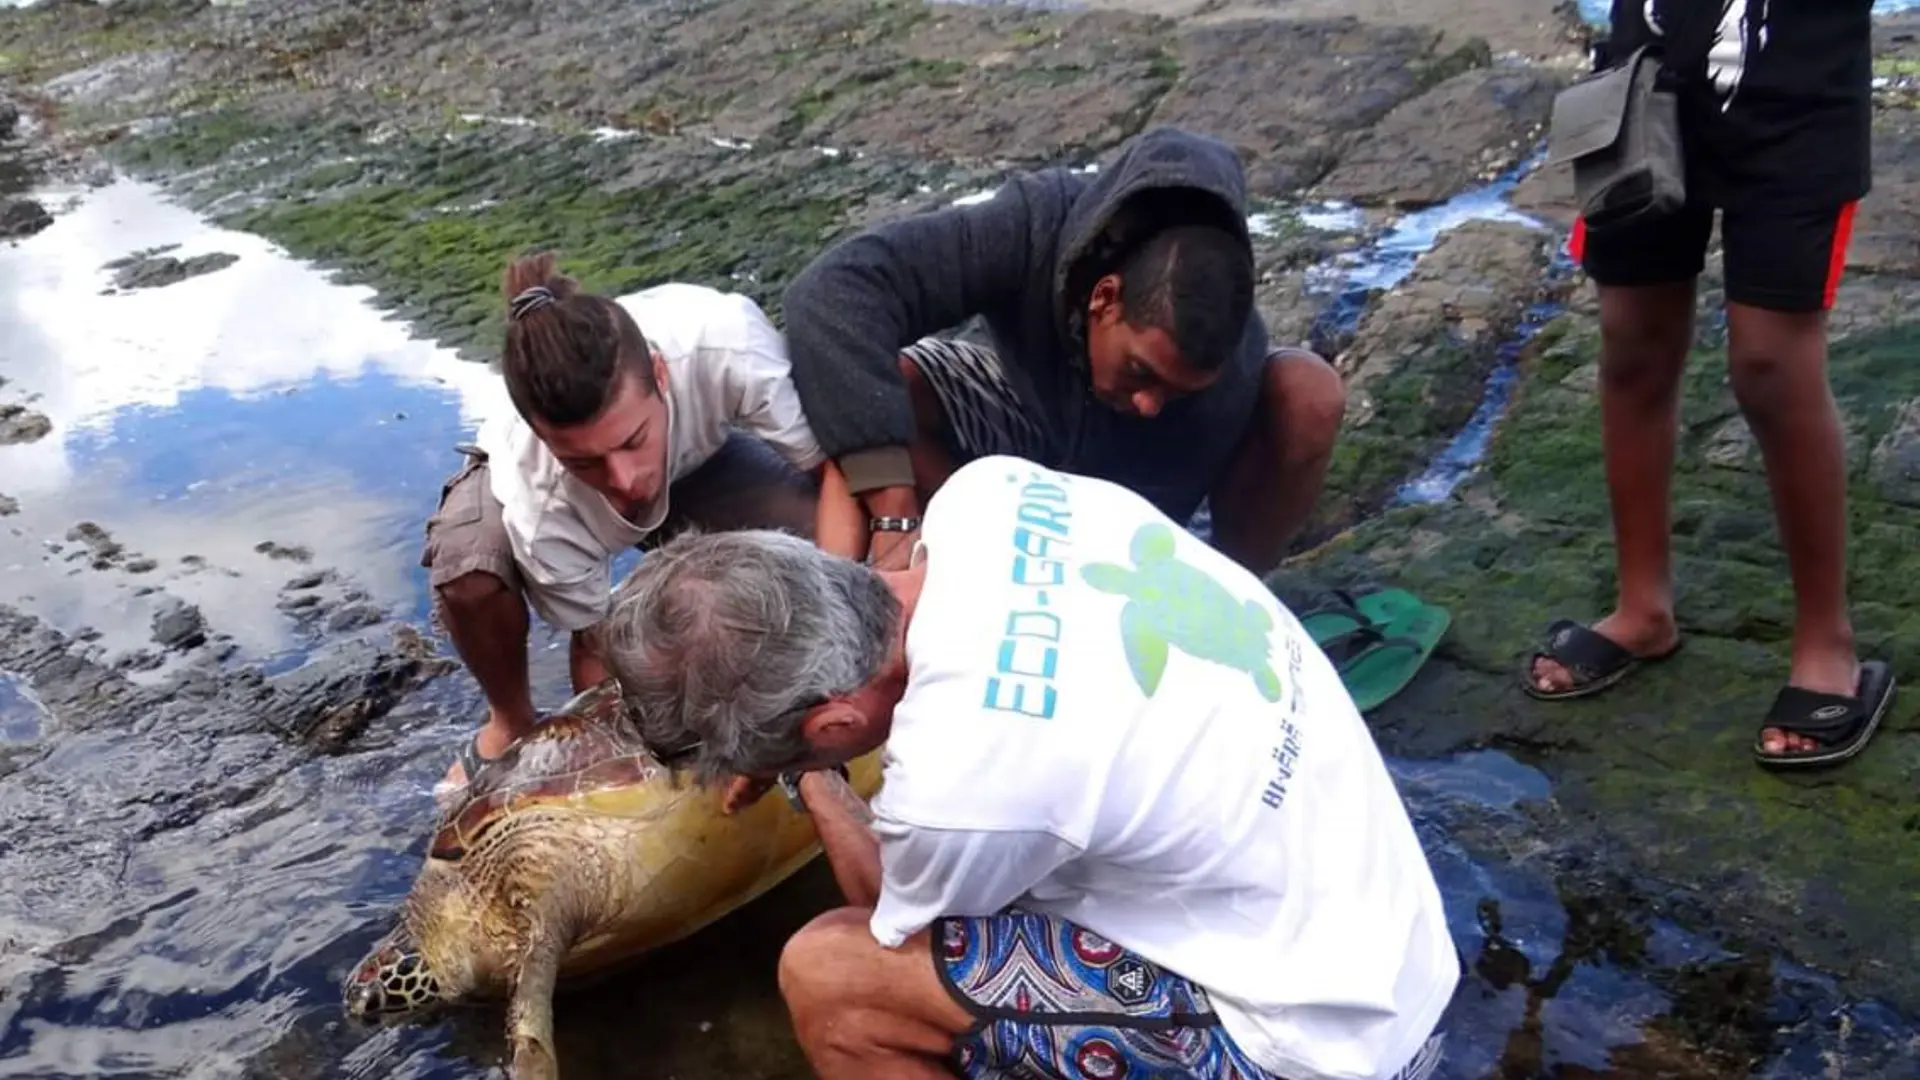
{"points": [[1023, 261]]}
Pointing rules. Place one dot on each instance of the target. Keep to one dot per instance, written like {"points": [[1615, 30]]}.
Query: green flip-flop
{"points": [[1345, 612], [1388, 655]]}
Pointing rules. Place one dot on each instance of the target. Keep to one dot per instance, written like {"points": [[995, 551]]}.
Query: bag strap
{"points": [[1690, 26]]}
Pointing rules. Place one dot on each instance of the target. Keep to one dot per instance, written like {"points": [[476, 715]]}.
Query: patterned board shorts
{"points": [[983, 411], [1058, 1002]]}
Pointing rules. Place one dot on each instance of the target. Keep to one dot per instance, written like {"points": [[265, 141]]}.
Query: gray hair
{"points": [[725, 639]]}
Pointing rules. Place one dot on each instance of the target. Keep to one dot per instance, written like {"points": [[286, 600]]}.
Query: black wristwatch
{"points": [[790, 784], [893, 524]]}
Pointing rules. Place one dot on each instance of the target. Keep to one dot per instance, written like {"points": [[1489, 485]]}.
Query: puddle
{"points": [[259, 402], [22, 717]]}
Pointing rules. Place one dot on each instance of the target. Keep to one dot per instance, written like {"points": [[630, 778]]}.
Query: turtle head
{"points": [[394, 982]]}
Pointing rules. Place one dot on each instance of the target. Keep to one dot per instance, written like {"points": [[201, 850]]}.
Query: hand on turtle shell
{"points": [[742, 792]]}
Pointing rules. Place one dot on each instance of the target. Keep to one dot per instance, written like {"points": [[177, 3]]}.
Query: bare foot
{"points": [[1642, 636], [1826, 668]]}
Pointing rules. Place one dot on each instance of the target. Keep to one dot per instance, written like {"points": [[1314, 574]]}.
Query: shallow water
{"points": [[259, 402]]}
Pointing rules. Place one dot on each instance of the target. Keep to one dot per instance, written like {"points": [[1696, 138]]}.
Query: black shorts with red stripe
{"points": [[1778, 135], [1786, 260]]}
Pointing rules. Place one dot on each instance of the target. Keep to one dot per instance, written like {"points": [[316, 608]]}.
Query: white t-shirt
{"points": [[726, 367], [1108, 721]]}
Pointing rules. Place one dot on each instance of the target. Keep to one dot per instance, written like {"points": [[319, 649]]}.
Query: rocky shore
{"points": [[415, 147]]}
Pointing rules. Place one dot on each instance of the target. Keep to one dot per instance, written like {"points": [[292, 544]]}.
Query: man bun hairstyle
{"points": [[1195, 283], [566, 350]]}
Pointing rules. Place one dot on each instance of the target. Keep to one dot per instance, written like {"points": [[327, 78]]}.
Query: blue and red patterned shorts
{"points": [[1058, 1002]]}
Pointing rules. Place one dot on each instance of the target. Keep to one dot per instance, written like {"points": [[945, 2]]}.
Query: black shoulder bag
{"points": [[1620, 127]]}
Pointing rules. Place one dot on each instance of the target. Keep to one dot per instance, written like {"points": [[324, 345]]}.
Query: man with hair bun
{"points": [[617, 436]]}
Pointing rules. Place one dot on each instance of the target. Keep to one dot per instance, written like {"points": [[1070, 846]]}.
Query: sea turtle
{"points": [[1172, 603], [572, 852]]}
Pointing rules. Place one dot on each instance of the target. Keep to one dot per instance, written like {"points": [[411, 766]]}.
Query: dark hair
{"points": [[566, 349], [1196, 283]]}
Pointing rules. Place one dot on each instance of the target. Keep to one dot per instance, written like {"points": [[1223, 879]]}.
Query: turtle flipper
{"points": [[530, 1013], [1146, 647]]}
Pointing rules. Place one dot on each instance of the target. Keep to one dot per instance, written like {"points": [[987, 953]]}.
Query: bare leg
{"points": [[861, 1011], [1778, 363], [1645, 334], [488, 623], [1270, 486]]}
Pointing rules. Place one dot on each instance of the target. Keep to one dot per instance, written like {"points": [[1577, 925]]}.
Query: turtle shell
{"points": [[588, 744]]}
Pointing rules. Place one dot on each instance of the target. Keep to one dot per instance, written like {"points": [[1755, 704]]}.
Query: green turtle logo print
{"points": [[1172, 604]]}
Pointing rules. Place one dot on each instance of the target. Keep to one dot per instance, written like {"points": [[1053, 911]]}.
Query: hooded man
{"points": [[1124, 345]]}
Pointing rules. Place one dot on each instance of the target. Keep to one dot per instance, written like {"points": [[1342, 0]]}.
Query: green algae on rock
{"points": [[1819, 866]]}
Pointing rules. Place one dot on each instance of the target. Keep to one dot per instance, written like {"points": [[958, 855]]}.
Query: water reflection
{"points": [[257, 404]]}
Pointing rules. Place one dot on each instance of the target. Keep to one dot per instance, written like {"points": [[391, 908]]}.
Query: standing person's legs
{"points": [[478, 599], [1645, 277], [1782, 273]]}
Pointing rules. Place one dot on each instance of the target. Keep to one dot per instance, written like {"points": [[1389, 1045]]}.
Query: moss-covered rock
{"points": [[1822, 867]]}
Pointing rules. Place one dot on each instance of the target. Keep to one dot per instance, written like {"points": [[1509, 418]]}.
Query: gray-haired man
{"points": [[1125, 801]]}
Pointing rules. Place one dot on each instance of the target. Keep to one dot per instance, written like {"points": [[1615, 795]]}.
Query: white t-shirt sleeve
{"points": [[927, 873], [761, 395]]}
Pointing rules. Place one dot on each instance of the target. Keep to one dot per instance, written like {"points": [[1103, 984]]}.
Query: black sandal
{"points": [[470, 760], [1841, 725], [1594, 660]]}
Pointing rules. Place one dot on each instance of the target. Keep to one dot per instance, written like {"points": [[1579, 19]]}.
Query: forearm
{"points": [[583, 663], [845, 826]]}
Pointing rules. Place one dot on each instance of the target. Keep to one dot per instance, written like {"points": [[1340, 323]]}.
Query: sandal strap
{"points": [[1586, 653], [1824, 718], [1350, 646], [470, 760]]}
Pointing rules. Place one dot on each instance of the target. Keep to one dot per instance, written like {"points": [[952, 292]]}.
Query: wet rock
{"points": [[1290, 94], [291, 552], [178, 625], [1417, 365], [1895, 466], [145, 270], [309, 581], [353, 617], [21, 217], [9, 505], [142, 565], [1886, 230], [1463, 132], [1546, 193], [19, 424], [9, 119], [99, 544]]}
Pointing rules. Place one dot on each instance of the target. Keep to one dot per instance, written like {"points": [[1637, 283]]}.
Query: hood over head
{"points": [[1184, 177]]}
